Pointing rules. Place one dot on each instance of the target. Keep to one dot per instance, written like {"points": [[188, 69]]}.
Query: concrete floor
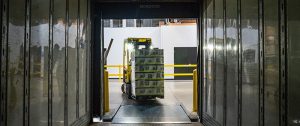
{"points": [[176, 91]]}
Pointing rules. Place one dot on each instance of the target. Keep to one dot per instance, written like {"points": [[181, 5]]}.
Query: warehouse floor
{"points": [[175, 107], [176, 91]]}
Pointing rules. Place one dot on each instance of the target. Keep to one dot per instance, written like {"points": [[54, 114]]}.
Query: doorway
{"points": [[142, 12]]}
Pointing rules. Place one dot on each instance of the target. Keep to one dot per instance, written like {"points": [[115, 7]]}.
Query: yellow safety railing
{"points": [[120, 67], [195, 91], [181, 65], [106, 92], [119, 74]]}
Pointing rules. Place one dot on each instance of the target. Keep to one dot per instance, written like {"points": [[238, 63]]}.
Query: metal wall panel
{"points": [[200, 30], [250, 62], [219, 60], [232, 63], [58, 62], [72, 60], [209, 49], [39, 63], [88, 58], [33, 62], [271, 62], [82, 48], [293, 61], [204, 58], [1, 92], [15, 62], [283, 63]]}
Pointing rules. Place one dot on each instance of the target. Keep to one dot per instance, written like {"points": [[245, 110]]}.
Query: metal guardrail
{"points": [[195, 91], [106, 92], [195, 84], [120, 71]]}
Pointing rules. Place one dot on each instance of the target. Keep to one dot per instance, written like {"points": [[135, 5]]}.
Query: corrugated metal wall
{"points": [[250, 64], [45, 62]]}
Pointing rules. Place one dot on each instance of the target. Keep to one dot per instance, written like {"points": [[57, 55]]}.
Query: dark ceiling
{"points": [[144, 9], [161, 1]]}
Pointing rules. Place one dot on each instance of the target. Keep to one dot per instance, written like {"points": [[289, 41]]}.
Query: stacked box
{"points": [[149, 75], [149, 68], [149, 91], [149, 52], [149, 60], [149, 83], [148, 72]]}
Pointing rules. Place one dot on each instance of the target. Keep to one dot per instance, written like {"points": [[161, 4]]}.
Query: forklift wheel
{"points": [[128, 91], [123, 88], [129, 96]]}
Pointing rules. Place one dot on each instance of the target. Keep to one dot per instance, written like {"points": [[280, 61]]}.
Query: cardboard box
{"points": [[147, 84], [149, 91], [158, 75], [149, 52], [148, 68]]}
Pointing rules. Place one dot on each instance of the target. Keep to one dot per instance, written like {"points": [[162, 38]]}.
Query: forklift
{"points": [[131, 45]]}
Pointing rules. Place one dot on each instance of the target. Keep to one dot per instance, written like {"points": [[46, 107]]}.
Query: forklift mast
{"points": [[130, 45]]}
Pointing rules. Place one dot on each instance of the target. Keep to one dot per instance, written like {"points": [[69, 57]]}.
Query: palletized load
{"points": [[146, 69], [148, 83], [148, 73], [149, 52], [159, 75], [149, 68], [149, 60], [149, 91]]}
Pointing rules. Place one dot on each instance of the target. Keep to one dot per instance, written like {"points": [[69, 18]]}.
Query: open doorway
{"points": [[136, 14], [177, 37]]}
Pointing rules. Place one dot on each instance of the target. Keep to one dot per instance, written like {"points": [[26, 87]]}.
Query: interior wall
{"points": [[176, 36], [45, 50], [165, 37]]}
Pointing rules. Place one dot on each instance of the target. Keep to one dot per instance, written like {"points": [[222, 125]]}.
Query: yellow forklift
{"points": [[131, 47]]}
